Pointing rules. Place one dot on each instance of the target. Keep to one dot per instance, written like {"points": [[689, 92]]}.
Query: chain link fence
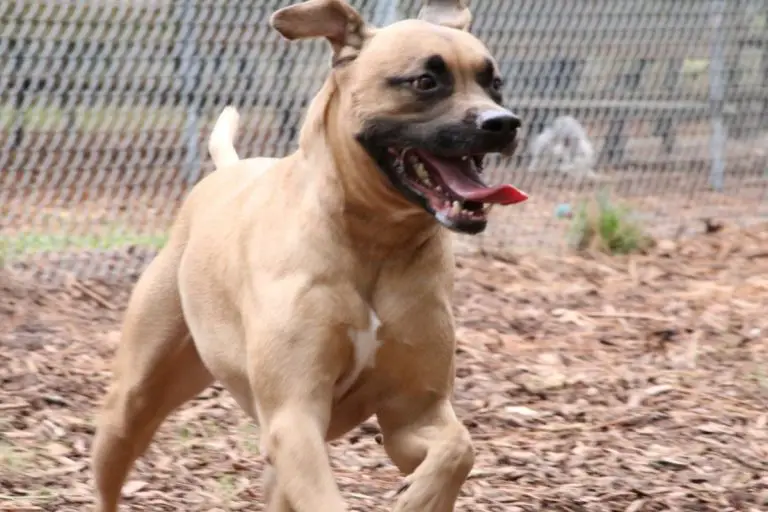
{"points": [[105, 107]]}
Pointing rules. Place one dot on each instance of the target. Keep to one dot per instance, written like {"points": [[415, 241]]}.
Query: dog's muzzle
{"points": [[439, 167]]}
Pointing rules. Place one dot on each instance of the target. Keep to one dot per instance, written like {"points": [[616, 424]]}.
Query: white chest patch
{"points": [[365, 344]]}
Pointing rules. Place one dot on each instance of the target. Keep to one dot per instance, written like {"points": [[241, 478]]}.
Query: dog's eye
{"points": [[497, 84], [424, 83]]}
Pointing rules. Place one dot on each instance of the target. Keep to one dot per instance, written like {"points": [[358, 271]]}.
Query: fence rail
{"points": [[105, 106]]}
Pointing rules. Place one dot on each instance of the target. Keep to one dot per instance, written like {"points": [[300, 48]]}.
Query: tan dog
{"points": [[317, 288]]}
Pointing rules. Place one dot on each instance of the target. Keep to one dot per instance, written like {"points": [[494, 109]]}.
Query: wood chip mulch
{"points": [[589, 383]]}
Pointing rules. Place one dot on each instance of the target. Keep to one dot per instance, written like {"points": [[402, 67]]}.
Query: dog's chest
{"points": [[365, 344]]}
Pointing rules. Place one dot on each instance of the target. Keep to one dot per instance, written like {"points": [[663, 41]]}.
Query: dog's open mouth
{"points": [[451, 187]]}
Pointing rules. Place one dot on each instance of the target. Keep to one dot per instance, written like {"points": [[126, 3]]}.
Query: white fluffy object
{"points": [[563, 146]]}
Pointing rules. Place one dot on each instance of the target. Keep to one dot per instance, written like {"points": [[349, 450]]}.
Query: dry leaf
{"points": [[133, 486], [638, 397]]}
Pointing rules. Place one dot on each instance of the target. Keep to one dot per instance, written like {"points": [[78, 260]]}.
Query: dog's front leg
{"points": [[433, 448], [292, 377], [300, 478]]}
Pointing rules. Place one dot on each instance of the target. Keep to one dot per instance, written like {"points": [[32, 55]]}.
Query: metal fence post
{"points": [[17, 129], [717, 95], [385, 12], [189, 68]]}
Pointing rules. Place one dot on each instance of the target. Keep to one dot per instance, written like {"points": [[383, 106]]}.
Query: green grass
{"points": [[18, 245], [759, 22], [111, 118], [695, 66], [106, 118], [602, 225]]}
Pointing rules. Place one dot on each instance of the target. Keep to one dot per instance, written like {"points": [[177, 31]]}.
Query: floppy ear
{"points": [[334, 20], [449, 13]]}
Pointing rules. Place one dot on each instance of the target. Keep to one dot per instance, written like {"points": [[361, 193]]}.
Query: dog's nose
{"points": [[498, 121]]}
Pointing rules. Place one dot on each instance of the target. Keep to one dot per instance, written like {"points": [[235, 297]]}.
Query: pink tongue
{"points": [[454, 175]]}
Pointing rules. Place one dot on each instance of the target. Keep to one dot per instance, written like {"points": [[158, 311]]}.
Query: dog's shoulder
{"points": [[249, 202]]}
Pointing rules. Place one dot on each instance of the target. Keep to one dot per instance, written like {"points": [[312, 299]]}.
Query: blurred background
{"points": [[105, 106]]}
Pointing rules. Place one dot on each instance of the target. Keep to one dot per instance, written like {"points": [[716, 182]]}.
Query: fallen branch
{"points": [[93, 295], [633, 316]]}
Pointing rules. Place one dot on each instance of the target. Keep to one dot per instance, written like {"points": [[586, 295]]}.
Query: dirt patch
{"points": [[588, 383]]}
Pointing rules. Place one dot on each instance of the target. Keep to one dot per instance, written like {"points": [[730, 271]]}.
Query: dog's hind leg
{"points": [[157, 368], [434, 449]]}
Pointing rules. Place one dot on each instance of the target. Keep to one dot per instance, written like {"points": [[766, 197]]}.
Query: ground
{"points": [[589, 383]]}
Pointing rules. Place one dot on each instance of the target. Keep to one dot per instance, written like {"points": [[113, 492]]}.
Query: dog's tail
{"points": [[221, 143]]}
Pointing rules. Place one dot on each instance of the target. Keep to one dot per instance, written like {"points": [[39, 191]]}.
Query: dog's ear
{"points": [[334, 20], [449, 13]]}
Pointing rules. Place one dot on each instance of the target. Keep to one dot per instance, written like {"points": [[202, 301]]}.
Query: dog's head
{"points": [[423, 98]]}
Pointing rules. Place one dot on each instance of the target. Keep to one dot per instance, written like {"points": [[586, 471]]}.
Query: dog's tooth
{"points": [[456, 208], [421, 172]]}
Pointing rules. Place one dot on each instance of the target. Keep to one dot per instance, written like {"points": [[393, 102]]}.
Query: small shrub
{"points": [[602, 225]]}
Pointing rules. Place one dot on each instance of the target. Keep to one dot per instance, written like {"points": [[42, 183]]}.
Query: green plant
{"points": [[20, 244], [600, 224], [3, 252]]}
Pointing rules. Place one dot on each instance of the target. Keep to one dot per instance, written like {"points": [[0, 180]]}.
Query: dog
{"points": [[316, 288], [563, 146]]}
